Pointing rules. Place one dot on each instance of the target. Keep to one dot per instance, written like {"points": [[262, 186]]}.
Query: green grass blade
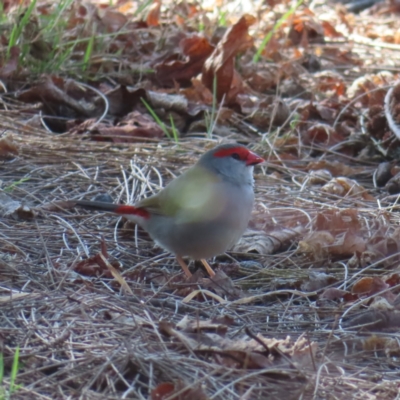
{"points": [[62, 6], [14, 371], [174, 130], [267, 38], [19, 27], [211, 123], [142, 7], [1, 368], [156, 118], [11, 187], [88, 52]]}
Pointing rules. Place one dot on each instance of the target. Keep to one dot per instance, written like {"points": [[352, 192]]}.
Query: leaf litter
{"points": [[306, 305]]}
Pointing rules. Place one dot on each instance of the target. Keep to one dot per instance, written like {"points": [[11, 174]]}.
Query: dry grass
{"points": [[83, 337]]}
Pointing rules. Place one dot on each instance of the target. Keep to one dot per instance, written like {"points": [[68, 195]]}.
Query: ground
{"points": [[306, 304]]}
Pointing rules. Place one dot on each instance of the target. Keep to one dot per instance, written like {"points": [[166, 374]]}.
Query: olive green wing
{"points": [[189, 198]]}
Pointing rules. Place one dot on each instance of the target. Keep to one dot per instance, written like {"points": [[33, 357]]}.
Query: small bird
{"points": [[201, 213]]}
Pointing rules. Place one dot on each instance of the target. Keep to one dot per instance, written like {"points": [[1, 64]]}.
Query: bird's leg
{"points": [[184, 266], [207, 267]]}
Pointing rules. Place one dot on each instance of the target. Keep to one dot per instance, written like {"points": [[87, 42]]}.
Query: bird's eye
{"points": [[236, 156]]}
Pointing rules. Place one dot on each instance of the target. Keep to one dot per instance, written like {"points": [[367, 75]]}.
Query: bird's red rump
{"points": [[243, 154], [131, 210]]}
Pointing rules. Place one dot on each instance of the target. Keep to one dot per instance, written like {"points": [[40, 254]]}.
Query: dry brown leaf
{"points": [[260, 78], [305, 30], [90, 267], [260, 297], [374, 320], [128, 133], [257, 352], [389, 345], [195, 49], [198, 93], [321, 135], [369, 285], [11, 66], [393, 280], [393, 185], [187, 324], [102, 261], [345, 187], [338, 221], [329, 30], [10, 207], [336, 168], [166, 101], [316, 281], [98, 265], [383, 174], [263, 111], [368, 85], [113, 21], [381, 303], [177, 391], [135, 125], [162, 390], [349, 244], [257, 241], [220, 65], [222, 285], [318, 177], [153, 16], [122, 99], [333, 294], [8, 149], [384, 244], [331, 83], [316, 244], [59, 97]]}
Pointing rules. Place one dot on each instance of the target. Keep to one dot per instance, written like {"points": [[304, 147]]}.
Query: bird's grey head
{"points": [[233, 162]]}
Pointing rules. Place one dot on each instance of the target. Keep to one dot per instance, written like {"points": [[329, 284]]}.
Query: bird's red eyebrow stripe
{"points": [[244, 154], [228, 152], [131, 210]]}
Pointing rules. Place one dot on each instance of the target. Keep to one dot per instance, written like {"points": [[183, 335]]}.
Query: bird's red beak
{"points": [[253, 159]]}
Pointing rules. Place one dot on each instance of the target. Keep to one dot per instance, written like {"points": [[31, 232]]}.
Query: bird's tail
{"points": [[120, 209]]}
